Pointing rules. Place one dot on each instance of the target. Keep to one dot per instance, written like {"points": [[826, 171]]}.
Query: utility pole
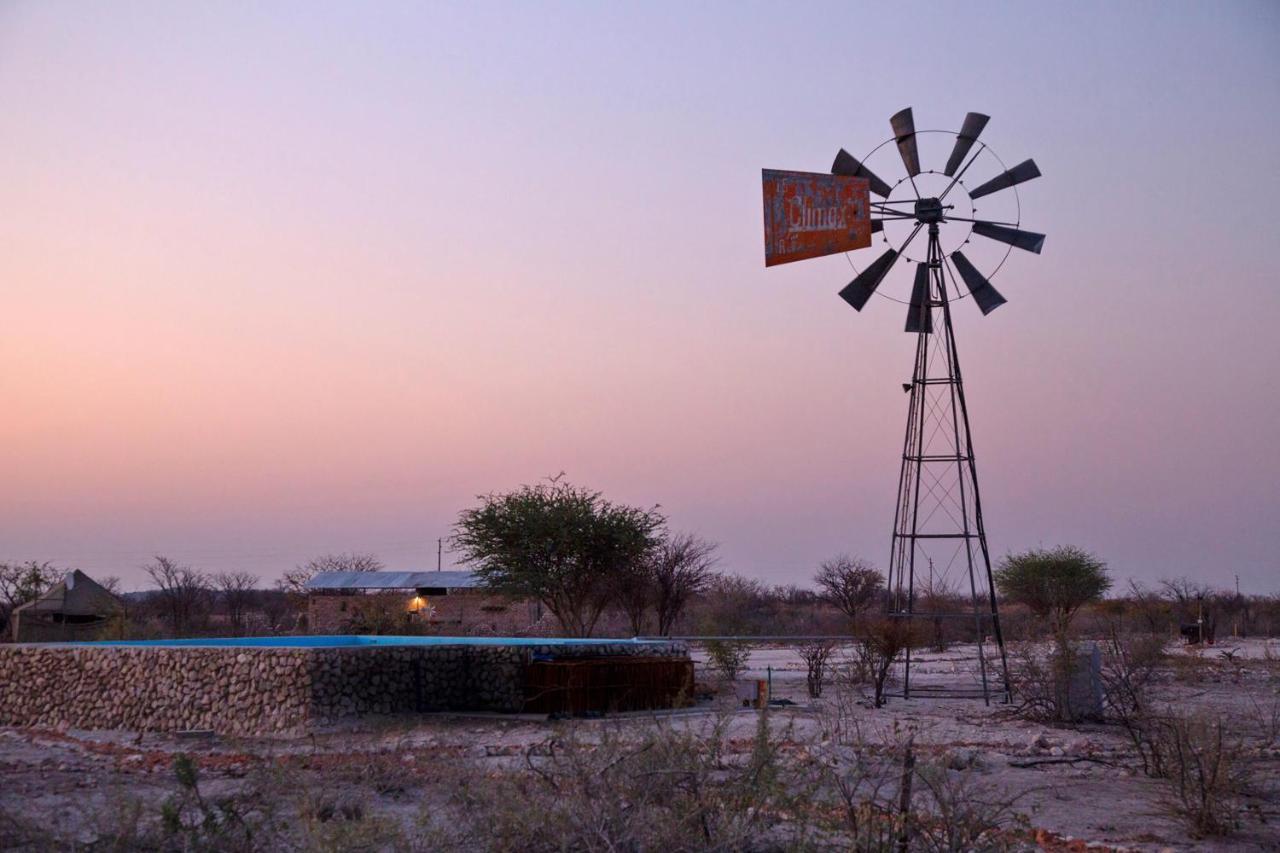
{"points": [[1235, 621], [439, 553]]}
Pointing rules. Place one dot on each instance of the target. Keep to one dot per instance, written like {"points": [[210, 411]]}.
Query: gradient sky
{"points": [[283, 279]]}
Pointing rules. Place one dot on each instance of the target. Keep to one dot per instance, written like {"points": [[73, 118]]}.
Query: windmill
{"points": [[939, 563]]}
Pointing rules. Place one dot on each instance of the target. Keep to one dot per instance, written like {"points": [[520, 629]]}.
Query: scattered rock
{"points": [[963, 759]]}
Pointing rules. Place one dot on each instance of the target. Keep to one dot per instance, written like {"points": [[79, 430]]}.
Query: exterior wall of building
{"points": [[42, 628], [458, 613], [258, 691]]}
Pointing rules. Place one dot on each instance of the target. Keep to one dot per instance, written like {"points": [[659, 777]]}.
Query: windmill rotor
{"points": [[906, 204]]}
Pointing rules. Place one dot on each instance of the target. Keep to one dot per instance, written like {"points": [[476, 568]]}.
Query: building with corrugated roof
{"points": [[452, 602]]}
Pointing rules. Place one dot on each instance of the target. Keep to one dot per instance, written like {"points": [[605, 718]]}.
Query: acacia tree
{"points": [[562, 545], [849, 584], [1053, 583]]}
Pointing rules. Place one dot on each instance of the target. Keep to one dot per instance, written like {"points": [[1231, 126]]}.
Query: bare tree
{"points": [[675, 569], [236, 592], [1187, 596], [21, 583], [732, 604], [1150, 606], [634, 589], [1184, 591], [111, 583], [681, 567], [183, 592], [849, 584], [296, 580]]}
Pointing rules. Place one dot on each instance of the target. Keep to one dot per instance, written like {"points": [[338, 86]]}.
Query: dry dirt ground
{"points": [[1075, 786]]}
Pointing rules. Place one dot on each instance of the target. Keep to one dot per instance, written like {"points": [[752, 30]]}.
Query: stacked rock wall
{"points": [[396, 679], [255, 691], [233, 691]]}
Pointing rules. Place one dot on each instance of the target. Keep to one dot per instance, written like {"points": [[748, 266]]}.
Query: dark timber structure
{"points": [[939, 565]]}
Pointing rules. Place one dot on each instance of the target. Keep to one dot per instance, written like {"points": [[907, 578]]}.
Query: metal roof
{"points": [[393, 580]]}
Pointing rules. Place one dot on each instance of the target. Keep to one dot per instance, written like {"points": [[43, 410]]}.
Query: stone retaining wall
{"points": [[253, 691]]}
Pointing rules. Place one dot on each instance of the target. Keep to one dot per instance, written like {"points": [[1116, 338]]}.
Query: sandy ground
{"points": [[63, 778]]}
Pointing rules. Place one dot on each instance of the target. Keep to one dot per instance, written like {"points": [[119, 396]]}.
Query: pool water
{"points": [[346, 641]]}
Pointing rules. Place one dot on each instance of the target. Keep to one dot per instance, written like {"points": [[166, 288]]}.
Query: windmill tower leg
{"points": [[938, 517]]}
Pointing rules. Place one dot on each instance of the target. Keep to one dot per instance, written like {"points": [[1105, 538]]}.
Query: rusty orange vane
{"points": [[810, 214]]}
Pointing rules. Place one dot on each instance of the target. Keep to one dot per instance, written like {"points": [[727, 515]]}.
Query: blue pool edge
{"points": [[350, 641]]}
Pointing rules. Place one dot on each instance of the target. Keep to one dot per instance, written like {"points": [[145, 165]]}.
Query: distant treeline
{"points": [[182, 601]]}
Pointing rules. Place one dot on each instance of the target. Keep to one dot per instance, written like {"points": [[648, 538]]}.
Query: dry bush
{"points": [[884, 641], [728, 657], [683, 790], [339, 819], [382, 613], [855, 666], [1192, 667], [815, 655], [1264, 720], [665, 790], [863, 781], [870, 779], [191, 820], [20, 832], [1130, 665], [1057, 685], [671, 785], [1031, 679], [960, 815], [1204, 764]]}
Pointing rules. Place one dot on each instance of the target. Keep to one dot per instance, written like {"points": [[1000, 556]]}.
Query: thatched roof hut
{"points": [[76, 608]]}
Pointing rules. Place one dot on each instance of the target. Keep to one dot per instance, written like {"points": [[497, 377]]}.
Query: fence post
{"points": [[904, 800]]}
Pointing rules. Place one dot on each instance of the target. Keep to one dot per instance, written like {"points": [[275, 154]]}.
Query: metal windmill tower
{"points": [[939, 563]]}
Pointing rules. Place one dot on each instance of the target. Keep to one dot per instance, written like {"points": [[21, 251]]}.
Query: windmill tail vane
{"points": [[938, 521]]}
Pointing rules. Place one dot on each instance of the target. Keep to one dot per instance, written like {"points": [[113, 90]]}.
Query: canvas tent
{"points": [[77, 608]]}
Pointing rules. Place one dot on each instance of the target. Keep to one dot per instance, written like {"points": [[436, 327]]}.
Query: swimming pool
{"points": [[268, 685], [348, 641]]}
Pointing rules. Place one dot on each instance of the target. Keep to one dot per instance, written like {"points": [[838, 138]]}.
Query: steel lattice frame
{"points": [[950, 508]]}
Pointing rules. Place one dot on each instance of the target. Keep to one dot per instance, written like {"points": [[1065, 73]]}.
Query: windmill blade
{"points": [[846, 164], [858, 291], [877, 225], [1029, 241], [987, 297], [969, 132], [919, 312], [1024, 171], [904, 131]]}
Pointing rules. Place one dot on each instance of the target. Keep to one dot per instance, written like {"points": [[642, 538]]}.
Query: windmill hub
{"points": [[929, 210]]}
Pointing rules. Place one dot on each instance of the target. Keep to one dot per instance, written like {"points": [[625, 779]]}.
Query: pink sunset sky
{"points": [[292, 278]]}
